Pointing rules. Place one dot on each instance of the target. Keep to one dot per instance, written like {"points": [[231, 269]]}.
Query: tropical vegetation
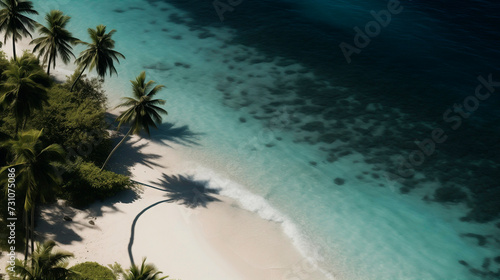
{"points": [[55, 135], [143, 272], [92, 271], [43, 264], [24, 90], [100, 53], [14, 20], [36, 175], [142, 110], [55, 41]]}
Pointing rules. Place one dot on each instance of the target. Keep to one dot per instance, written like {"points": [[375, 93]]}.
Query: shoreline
{"points": [[219, 240]]}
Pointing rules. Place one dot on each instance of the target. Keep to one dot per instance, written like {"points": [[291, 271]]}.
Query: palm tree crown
{"points": [[143, 111], [44, 265], [24, 91], [35, 173], [99, 54], [14, 22], [34, 162], [145, 272], [56, 39]]}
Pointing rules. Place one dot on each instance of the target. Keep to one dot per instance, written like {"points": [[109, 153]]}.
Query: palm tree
{"points": [[145, 272], [99, 54], [56, 39], [35, 172], [14, 22], [24, 91], [44, 264], [142, 111]]}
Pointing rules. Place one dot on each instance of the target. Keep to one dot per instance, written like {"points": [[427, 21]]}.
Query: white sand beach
{"points": [[186, 230]]}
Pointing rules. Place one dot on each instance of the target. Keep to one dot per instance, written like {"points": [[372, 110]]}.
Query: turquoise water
{"points": [[308, 142]]}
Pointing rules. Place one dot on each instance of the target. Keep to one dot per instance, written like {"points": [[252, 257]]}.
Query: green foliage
{"points": [[44, 264], [146, 271], [4, 64], [116, 268], [142, 110], [34, 165], [24, 91], [92, 271], [88, 89], [14, 21], [55, 39], [86, 183], [76, 120], [99, 53]]}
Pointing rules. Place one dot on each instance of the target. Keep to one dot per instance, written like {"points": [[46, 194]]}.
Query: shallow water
{"points": [[275, 117]]}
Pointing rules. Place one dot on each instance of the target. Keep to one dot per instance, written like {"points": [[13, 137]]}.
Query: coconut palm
{"points": [[24, 90], [99, 54], [36, 172], [56, 39], [44, 264], [142, 112], [14, 22], [145, 272]]}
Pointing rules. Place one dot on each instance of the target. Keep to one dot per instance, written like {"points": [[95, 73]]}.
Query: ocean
{"points": [[368, 129]]}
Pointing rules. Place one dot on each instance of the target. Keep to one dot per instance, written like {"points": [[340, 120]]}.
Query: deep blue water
{"points": [[426, 60]]}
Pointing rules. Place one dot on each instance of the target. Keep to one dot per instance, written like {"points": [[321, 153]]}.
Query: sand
{"points": [[186, 230]]}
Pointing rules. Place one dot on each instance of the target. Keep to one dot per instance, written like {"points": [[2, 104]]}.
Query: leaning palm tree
{"points": [[99, 54], [14, 22], [142, 111], [45, 264], [24, 91], [56, 39], [36, 172], [145, 272]]}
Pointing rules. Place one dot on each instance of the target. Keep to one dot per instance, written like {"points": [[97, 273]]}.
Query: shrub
{"points": [[4, 63], [76, 122], [92, 271], [85, 183]]}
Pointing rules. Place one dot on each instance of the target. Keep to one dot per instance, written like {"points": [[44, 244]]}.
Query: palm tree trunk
{"points": [[24, 123], [74, 83], [32, 231], [14, 46], [116, 147], [48, 66], [26, 236]]}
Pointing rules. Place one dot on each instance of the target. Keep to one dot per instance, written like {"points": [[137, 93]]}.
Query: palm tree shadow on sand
{"points": [[171, 132], [185, 190], [180, 189], [130, 154], [51, 224], [166, 133]]}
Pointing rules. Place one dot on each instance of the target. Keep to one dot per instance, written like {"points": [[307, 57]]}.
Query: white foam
{"points": [[265, 210]]}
